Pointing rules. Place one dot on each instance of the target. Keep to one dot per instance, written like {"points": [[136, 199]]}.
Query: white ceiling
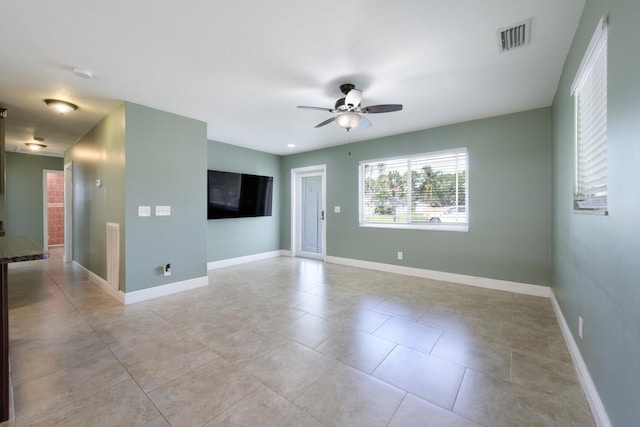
{"points": [[243, 66]]}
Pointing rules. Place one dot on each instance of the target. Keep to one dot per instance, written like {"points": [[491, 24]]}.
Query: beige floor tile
{"points": [[122, 404], [401, 307], [410, 334], [290, 369], [357, 349], [491, 401], [415, 412], [35, 398], [493, 358], [360, 318], [309, 330], [425, 376], [244, 346], [158, 422], [547, 375], [200, 395], [153, 363], [31, 359], [347, 397], [264, 334], [264, 407]]}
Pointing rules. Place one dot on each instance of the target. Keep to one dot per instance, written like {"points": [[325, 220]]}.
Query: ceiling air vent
{"points": [[515, 36]]}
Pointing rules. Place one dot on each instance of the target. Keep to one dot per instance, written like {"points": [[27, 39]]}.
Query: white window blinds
{"points": [[422, 191], [590, 92]]}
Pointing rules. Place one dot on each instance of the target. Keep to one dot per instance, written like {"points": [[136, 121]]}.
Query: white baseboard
{"points": [[482, 282], [164, 290], [244, 259], [597, 407], [103, 284], [144, 294]]}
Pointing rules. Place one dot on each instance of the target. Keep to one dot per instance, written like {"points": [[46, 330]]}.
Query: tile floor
{"points": [[289, 342]]}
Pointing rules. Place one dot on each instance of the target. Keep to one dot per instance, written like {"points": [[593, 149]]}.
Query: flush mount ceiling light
{"points": [[348, 120], [60, 106], [36, 145]]}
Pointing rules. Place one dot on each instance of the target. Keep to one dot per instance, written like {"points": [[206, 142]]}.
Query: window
{"points": [[590, 93], [427, 191]]}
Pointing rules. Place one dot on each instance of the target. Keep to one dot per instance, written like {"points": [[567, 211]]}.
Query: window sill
{"points": [[433, 227], [599, 212]]}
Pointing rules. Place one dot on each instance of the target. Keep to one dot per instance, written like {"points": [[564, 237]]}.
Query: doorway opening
{"points": [[53, 208]]}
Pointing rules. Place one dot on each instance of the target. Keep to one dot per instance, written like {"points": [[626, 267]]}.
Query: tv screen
{"points": [[238, 195]]}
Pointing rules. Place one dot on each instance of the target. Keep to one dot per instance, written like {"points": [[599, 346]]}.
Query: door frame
{"points": [[68, 212], [296, 206]]}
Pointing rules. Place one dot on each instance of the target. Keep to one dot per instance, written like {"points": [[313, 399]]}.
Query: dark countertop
{"points": [[16, 249]]}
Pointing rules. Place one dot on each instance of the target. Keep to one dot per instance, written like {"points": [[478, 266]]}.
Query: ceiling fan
{"points": [[349, 113]]}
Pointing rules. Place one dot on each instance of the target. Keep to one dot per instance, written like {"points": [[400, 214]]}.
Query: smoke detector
{"points": [[514, 36]]}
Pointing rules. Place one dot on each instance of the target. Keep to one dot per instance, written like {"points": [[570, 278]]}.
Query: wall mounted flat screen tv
{"points": [[238, 195]]}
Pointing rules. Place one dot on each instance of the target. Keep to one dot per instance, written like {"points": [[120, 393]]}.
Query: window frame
{"points": [[597, 47], [460, 227]]}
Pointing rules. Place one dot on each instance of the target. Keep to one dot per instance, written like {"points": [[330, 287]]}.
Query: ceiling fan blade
{"points": [[326, 122], [353, 97], [306, 107], [384, 108], [364, 122]]}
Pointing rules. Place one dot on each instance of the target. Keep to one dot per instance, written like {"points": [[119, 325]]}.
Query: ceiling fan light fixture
{"points": [[60, 106], [348, 120]]}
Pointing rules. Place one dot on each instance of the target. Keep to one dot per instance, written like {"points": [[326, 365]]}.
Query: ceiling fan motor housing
{"points": [[346, 88]]}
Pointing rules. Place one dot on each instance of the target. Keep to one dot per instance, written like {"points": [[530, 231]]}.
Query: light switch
{"points": [[163, 210], [144, 210], [336, 209]]}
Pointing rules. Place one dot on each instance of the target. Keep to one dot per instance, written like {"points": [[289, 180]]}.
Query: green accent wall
{"points": [[510, 179], [596, 273], [237, 237], [100, 154], [24, 211], [166, 165], [143, 157]]}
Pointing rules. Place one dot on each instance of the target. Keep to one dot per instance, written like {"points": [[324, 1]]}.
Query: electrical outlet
{"points": [[167, 270], [580, 326], [399, 254]]}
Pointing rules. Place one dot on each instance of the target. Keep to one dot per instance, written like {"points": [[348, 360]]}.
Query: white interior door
{"points": [[308, 225], [311, 214]]}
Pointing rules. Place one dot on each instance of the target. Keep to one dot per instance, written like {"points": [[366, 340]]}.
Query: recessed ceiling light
{"points": [[83, 73], [291, 145], [60, 106]]}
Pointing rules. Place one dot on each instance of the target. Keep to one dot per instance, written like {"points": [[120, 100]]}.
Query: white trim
{"points": [[164, 290], [482, 282], [99, 281], [68, 212], [591, 392], [143, 294], [212, 265], [598, 40]]}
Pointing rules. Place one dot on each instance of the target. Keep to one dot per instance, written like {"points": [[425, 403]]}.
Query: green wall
{"points": [[143, 157], [166, 165], [23, 194], [98, 155], [510, 180], [237, 237], [596, 273]]}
